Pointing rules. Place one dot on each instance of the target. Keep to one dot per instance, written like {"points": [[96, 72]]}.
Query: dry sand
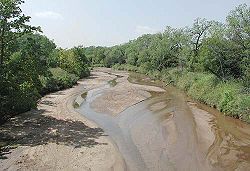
{"points": [[125, 94], [55, 137]]}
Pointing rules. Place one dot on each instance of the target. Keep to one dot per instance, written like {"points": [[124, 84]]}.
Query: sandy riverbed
{"points": [[166, 131], [55, 137], [125, 94]]}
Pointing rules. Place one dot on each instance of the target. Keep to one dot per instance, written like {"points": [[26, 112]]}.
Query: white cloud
{"points": [[49, 15], [145, 30]]}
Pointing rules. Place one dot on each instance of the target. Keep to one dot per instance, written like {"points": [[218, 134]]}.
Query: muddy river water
{"points": [[168, 131]]}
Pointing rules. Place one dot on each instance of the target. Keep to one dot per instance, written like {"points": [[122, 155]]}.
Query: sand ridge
{"points": [[125, 94]]}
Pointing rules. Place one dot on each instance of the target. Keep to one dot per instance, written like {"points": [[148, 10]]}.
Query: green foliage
{"points": [[13, 25], [229, 97], [74, 61], [171, 75], [113, 56], [59, 80], [25, 59], [201, 86], [185, 81], [19, 83], [16, 97], [24, 97], [125, 67], [211, 60]]}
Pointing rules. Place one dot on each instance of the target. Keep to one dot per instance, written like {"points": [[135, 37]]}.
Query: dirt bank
{"points": [[55, 137]]}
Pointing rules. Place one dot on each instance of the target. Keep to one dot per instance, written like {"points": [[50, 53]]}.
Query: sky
{"points": [[72, 23]]}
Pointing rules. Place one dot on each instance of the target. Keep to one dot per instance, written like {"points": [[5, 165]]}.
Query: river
{"points": [[169, 131]]}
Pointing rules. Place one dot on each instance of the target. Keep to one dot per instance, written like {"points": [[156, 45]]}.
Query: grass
{"points": [[229, 97]]}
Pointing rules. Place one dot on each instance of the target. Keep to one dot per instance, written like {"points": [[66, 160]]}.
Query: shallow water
{"points": [[167, 132]]}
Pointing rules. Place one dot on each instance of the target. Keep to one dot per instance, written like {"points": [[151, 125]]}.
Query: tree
{"points": [[239, 26], [198, 34], [12, 25], [19, 67], [221, 58], [113, 56], [82, 61], [238, 23], [74, 61], [226, 52]]}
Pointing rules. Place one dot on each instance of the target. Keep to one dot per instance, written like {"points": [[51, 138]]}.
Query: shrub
{"points": [[59, 79], [171, 75], [17, 98], [144, 68], [25, 98], [154, 74], [200, 85]]}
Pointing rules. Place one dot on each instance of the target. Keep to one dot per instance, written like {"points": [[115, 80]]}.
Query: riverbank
{"points": [[56, 137], [144, 127], [166, 131], [230, 97]]}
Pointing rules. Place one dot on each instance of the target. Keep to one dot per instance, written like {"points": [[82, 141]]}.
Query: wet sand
{"points": [[167, 131], [148, 128]]}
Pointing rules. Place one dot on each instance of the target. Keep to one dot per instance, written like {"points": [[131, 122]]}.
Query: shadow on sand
{"points": [[34, 129]]}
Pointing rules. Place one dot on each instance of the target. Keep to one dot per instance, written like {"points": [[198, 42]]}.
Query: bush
{"points": [[171, 75], [131, 68], [119, 67], [60, 79], [199, 85], [145, 68], [25, 98], [244, 107], [186, 80], [154, 74], [17, 98]]}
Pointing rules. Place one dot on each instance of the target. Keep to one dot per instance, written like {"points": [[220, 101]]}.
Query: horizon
{"points": [[97, 23]]}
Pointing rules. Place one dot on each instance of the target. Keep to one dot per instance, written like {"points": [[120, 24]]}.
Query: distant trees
{"points": [[31, 64], [209, 60], [207, 46], [113, 56]]}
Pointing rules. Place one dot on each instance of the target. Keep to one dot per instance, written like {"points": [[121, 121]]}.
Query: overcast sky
{"points": [[108, 22]]}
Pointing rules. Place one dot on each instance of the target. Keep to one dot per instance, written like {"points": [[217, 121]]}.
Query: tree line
{"points": [[209, 60], [207, 53], [222, 49]]}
